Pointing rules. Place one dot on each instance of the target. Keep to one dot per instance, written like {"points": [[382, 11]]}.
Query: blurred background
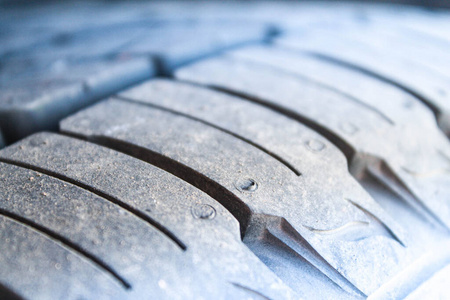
{"points": [[57, 57]]}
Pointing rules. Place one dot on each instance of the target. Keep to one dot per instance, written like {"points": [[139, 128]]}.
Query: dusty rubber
{"points": [[277, 159]]}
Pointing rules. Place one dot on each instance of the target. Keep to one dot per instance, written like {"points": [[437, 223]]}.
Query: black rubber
{"points": [[2, 141], [289, 153]]}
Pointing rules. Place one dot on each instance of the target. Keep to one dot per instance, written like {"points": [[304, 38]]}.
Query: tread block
{"points": [[28, 254], [99, 231], [259, 180], [190, 220], [414, 164], [43, 96]]}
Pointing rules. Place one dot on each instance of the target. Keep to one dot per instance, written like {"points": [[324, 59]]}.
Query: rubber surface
{"points": [[159, 219], [69, 68], [416, 154], [293, 151], [426, 76]]}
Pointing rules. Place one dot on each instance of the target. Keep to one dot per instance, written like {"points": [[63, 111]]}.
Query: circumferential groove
{"points": [[268, 152], [72, 246], [110, 198]]}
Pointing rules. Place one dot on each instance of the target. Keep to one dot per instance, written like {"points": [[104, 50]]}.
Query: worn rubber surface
{"points": [[372, 140], [293, 151]]}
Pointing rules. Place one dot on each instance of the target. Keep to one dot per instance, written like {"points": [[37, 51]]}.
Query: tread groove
{"points": [[373, 74], [344, 146], [277, 157], [111, 199], [219, 193], [388, 178], [346, 149], [322, 85], [68, 244], [250, 291], [288, 236], [349, 98], [378, 221]]}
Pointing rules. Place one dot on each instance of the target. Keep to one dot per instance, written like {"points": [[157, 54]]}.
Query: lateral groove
{"points": [[388, 178], [287, 235], [377, 220]]}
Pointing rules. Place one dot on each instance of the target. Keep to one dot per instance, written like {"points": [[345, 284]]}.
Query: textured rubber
{"points": [[412, 157], [174, 218], [311, 164], [417, 77]]}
